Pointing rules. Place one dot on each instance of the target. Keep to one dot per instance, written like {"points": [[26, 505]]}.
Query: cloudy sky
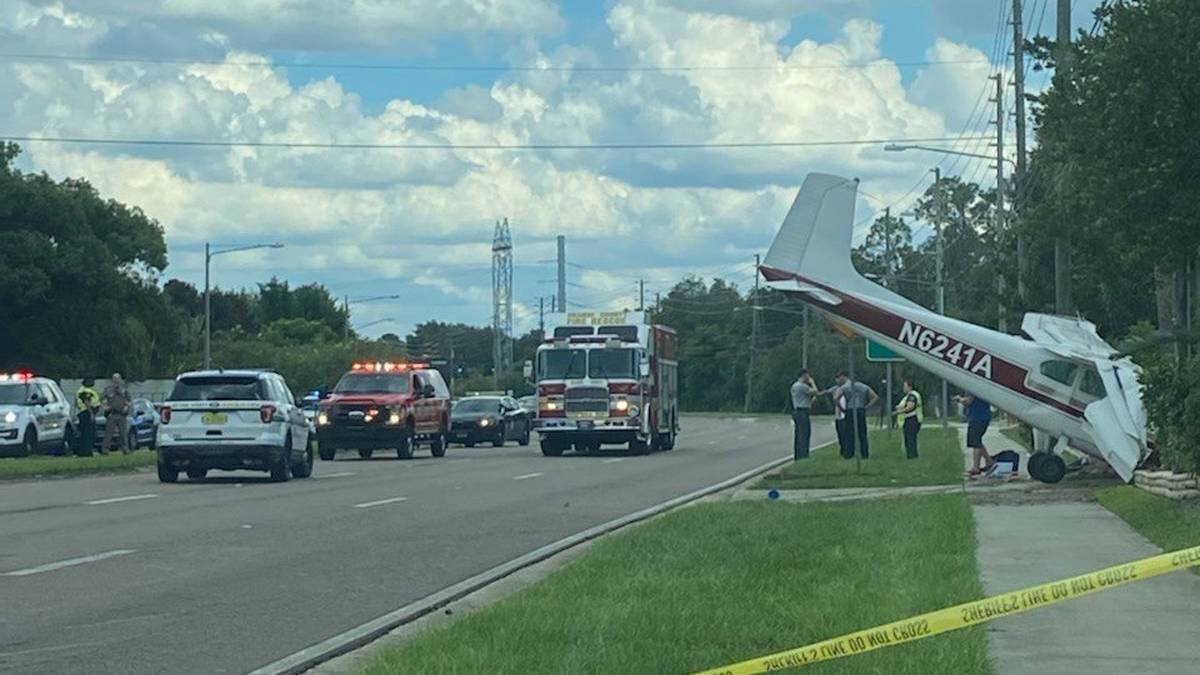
{"points": [[418, 223]]}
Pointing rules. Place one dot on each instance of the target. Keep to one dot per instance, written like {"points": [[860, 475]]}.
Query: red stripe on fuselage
{"points": [[1004, 373]]}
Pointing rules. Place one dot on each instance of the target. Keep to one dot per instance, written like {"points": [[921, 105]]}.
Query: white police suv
{"points": [[231, 420], [35, 415]]}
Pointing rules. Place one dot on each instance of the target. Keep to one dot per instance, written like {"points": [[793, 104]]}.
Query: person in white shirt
{"points": [[803, 391]]}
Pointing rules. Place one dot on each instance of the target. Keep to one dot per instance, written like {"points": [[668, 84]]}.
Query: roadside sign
{"points": [[878, 353]]}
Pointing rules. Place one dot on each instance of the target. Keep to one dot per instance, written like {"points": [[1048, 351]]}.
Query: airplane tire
{"points": [[1052, 470], [1034, 466]]}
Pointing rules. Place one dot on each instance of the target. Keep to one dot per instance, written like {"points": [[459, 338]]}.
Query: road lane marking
{"points": [[614, 460], [528, 475], [50, 567], [114, 500], [340, 474], [381, 502]]}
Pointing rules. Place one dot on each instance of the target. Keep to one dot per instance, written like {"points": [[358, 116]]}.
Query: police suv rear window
{"points": [[219, 388]]}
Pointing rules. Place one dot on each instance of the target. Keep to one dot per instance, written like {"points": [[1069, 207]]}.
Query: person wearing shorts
{"points": [[979, 415]]}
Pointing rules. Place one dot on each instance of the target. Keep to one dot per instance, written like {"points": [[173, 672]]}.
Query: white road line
{"points": [[614, 460], [367, 505], [340, 474], [528, 475], [50, 567], [114, 500]]}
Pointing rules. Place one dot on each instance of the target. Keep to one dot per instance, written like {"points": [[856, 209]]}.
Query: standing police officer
{"points": [[87, 400]]}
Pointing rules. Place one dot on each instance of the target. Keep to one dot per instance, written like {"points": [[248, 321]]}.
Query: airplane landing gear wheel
{"points": [[1047, 467]]}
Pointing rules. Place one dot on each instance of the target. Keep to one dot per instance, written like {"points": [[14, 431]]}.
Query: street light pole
{"points": [[940, 282], [209, 254]]}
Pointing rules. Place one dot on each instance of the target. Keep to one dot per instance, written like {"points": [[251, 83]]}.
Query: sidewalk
{"points": [[1147, 627]]}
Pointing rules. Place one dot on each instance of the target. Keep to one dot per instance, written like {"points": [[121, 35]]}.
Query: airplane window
{"points": [[1062, 372], [1091, 384]]}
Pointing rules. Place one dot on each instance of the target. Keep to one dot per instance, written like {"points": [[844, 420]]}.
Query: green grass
{"points": [[1171, 525], [1019, 435], [722, 582], [940, 463], [46, 465]]}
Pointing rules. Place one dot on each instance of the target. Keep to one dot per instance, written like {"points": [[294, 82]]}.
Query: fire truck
{"points": [[606, 378]]}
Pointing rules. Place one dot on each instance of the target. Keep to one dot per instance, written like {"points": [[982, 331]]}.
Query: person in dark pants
{"points": [[803, 390], [859, 397], [911, 410], [87, 400], [979, 415], [841, 424]]}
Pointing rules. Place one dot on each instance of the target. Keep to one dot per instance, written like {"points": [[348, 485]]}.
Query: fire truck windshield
{"points": [[372, 383], [562, 364], [608, 363]]}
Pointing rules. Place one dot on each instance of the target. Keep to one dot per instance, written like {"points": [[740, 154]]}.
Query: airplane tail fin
{"points": [[815, 238]]}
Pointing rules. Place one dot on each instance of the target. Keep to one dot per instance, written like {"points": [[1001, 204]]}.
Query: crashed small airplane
{"points": [[1061, 378]]}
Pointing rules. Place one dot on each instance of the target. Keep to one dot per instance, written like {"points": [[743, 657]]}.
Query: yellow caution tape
{"points": [[967, 614]]}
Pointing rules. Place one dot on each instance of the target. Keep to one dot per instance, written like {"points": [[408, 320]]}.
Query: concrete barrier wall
{"points": [[154, 390]]}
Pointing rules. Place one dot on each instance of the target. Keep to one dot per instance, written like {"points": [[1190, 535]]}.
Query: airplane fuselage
{"points": [[978, 360]]}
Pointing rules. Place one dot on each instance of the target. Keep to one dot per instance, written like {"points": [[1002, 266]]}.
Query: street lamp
{"points": [[346, 301], [896, 147], [209, 254], [376, 322]]}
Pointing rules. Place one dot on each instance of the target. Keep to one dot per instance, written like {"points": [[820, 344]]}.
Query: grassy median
{"points": [[940, 463], [722, 582], [48, 465], [1168, 523]]}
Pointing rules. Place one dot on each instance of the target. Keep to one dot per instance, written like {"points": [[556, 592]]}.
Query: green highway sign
{"points": [[881, 354]]}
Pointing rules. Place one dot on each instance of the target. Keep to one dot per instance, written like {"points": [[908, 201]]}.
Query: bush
{"points": [[1172, 402]]}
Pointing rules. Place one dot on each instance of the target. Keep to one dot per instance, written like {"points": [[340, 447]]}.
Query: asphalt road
{"points": [[122, 574]]}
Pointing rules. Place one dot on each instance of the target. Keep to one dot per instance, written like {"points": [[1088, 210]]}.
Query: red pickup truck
{"points": [[378, 406]]}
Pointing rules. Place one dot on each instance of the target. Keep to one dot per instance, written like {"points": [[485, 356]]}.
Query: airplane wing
{"points": [[1065, 335]]}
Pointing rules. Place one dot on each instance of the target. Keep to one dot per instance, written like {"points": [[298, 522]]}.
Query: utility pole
{"points": [[641, 295], [502, 304], [562, 274], [939, 282], [1000, 223], [804, 340], [888, 283], [541, 317], [1019, 112], [208, 311], [753, 334], [1063, 301]]}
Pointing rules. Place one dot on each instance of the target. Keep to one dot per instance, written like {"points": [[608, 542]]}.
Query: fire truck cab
{"points": [[606, 378]]}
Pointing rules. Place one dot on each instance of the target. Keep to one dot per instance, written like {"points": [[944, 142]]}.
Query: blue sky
{"points": [[419, 223]]}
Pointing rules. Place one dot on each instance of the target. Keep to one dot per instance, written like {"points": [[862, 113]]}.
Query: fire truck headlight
{"points": [[322, 419], [394, 418], [633, 411], [622, 405], [484, 422], [550, 405]]}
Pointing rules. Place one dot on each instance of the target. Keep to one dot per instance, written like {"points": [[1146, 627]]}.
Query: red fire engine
{"points": [[606, 378]]}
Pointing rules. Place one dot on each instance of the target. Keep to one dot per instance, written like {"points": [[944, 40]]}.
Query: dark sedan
{"points": [[143, 426], [489, 419]]}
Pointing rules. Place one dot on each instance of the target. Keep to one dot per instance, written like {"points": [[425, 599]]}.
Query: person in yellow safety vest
{"points": [[87, 400], [912, 409]]}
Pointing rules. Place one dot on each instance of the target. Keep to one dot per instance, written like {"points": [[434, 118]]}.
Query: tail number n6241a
{"points": [[947, 349]]}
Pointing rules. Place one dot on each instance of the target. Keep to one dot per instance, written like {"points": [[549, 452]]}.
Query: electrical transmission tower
{"points": [[502, 299]]}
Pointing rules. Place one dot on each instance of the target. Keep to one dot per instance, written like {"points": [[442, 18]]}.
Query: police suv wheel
{"points": [[524, 440], [304, 468], [281, 469], [328, 453], [167, 473], [29, 445]]}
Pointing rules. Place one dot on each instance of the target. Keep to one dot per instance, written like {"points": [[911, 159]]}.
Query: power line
{"points": [[465, 146], [434, 67]]}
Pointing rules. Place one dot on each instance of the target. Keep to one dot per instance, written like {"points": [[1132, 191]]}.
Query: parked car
{"points": [[230, 420], [35, 416], [494, 419], [143, 426]]}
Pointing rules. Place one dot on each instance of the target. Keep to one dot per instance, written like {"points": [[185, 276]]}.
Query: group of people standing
{"points": [[851, 399], [116, 404]]}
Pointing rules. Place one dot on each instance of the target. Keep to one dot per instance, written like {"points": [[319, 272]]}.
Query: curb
{"points": [[368, 632]]}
